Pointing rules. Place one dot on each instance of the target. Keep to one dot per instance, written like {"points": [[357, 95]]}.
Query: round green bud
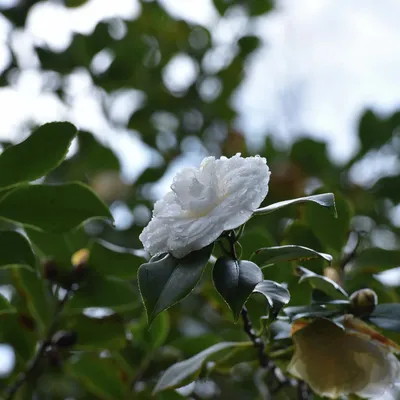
{"points": [[363, 302]]}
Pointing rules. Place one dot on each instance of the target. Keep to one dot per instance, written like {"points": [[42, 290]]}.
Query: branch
{"points": [[258, 343], [12, 389]]}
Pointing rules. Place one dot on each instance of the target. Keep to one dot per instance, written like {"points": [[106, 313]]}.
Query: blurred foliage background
{"points": [[127, 59]]}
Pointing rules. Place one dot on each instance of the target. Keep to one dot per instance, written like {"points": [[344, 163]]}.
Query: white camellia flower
{"points": [[335, 362], [221, 195]]}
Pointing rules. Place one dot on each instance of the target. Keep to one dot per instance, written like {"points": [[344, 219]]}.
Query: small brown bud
{"points": [[64, 339], [53, 357], [50, 269], [363, 302], [27, 322]]}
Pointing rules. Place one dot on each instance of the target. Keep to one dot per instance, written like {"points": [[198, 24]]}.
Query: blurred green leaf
{"points": [[254, 239], [271, 255], [375, 131], [326, 285], [332, 232], [91, 158], [33, 291], [179, 373], [15, 249], [110, 260], [42, 151], [325, 200], [105, 333], [52, 208], [5, 306], [75, 3], [377, 258], [276, 295], [57, 246], [17, 331], [166, 280], [103, 292], [312, 311], [386, 316], [100, 376], [235, 281]]}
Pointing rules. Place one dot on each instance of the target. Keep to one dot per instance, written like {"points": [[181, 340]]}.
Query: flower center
{"points": [[194, 196]]}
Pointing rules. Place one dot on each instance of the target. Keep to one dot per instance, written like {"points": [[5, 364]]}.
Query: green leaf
{"points": [[254, 239], [111, 260], [5, 306], [100, 376], [159, 330], [312, 311], [179, 373], [21, 336], [386, 316], [33, 291], [235, 281], [107, 333], [153, 337], [166, 280], [332, 232], [57, 246], [326, 285], [276, 295], [103, 292], [378, 259], [271, 255], [42, 151], [325, 200], [52, 208], [15, 249]]}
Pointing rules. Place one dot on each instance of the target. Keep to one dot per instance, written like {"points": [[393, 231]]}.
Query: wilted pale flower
{"points": [[221, 195], [334, 361]]}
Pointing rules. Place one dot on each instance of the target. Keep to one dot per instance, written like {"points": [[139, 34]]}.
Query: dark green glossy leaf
{"points": [[180, 373], [42, 151], [325, 200], [33, 291], [312, 311], [106, 333], [111, 260], [386, 316], [52, 208], [15, 249], [100, 376], [167, 280], [272, 255], [103, 292], [276, 295], [235, 281], [326, 285]]}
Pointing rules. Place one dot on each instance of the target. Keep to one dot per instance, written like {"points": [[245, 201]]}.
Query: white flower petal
{"points": [[221, 195], [336, 362]]}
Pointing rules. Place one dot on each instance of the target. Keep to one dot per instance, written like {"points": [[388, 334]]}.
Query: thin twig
{"points": [[303, 391], [264, 361], [350, 256], [11, 390], [257, 342]]}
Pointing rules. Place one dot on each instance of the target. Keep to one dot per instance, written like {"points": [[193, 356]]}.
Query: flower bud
{"points": [[80, 257], [64, 338], [50, 269], [79, 262], [363, 302]]}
